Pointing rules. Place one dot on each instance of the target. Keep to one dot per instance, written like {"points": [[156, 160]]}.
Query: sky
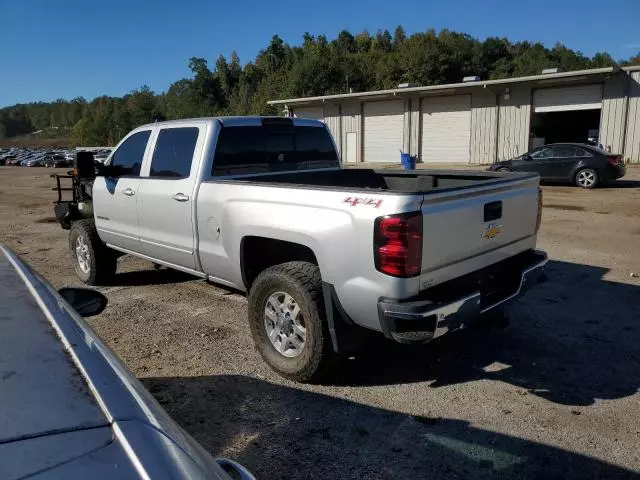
{"points": [[68, 48]]}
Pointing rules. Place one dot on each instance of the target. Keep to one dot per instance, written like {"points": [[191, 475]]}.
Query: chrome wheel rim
{"points": [[586, 178], [82, 254], [284, 324]]}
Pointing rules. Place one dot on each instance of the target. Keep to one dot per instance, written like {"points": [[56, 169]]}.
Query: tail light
{"points": [[539, 218], [615, 160], [397, 244]]}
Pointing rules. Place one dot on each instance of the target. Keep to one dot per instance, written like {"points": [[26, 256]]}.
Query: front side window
{"points": [[173, 154], [127, 159], [542, 153]]}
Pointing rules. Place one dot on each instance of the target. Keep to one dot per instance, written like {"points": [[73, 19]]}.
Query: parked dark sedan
{"points": [[584, 165], [56, 161]]}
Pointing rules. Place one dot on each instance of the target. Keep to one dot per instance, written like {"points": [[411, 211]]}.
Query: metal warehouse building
{"points": [[483, 121]]}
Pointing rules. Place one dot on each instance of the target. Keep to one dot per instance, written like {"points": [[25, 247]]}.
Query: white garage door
{"points": [[446, 129], [582, 97], [383, 131], [316, 113]]}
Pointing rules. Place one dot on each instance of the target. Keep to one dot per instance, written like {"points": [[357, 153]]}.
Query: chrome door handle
{"points": [[128, 192], [180, 197]]}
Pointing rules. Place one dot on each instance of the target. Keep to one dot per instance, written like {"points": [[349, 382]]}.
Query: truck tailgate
{"points": [[461, 226]]}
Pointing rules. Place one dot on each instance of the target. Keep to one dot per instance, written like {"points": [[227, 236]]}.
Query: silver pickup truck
{"points": [[260, 204]]}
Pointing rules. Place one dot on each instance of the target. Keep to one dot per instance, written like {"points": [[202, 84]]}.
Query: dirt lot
{"points": [[555, 395]]}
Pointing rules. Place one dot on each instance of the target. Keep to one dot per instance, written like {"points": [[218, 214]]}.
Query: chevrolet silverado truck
{"points": [[262, 205]]}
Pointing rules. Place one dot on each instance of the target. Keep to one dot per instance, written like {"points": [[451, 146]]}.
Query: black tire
{"points": [[100, 259], [583, 174], [301, 280]]}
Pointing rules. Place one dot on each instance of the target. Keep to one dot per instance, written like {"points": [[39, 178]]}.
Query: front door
{"points": [[538, 161], [115, 198], [566, 157], [166, 205]]}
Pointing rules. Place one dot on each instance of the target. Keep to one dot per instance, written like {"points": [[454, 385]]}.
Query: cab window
{"points": [[127, 159], [173, 153], [273, 148]]}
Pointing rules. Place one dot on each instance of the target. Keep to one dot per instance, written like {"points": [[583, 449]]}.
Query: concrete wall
{"points": [[514, 118], [333, 120], [414, 134], [632, 137], [406, 133], [483, 127], [614, 105]]}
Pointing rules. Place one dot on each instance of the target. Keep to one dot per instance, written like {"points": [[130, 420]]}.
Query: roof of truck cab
{"points": [[237, 121]]}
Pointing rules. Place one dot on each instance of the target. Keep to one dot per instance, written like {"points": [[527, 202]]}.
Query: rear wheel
{"points": [[587, 178], [92, 260], [287, 320]]}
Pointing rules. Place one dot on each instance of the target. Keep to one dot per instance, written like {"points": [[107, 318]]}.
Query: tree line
{"points": [[317, 66]]}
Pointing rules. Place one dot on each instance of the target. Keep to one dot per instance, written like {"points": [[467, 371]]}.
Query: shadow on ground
{"points": [[285, 433], [621, 183], [571, 340], [161, 276]]}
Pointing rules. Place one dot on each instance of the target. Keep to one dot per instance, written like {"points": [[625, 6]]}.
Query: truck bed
{"points": [[383, 180]]}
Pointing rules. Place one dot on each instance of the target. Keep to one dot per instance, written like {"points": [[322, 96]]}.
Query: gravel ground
{"points": [[555, 395]]}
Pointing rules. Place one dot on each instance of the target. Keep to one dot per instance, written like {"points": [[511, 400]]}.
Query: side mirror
{"points": [[526, 156], [85, 301]]}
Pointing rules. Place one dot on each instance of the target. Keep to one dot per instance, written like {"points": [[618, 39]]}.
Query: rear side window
{"points": [[563, 151], [272, 148], [581, 152], [173, 153], [127, 159]]}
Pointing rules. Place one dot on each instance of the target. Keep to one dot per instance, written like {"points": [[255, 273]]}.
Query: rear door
{"points": [[115, 198], [166, 198], [563, 158]]}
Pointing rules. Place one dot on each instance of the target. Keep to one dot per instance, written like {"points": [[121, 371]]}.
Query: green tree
{"points": [[317, 66]]}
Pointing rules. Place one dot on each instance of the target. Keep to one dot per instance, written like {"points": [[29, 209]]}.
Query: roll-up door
{"points": [[383, 131], [581, 97], [446, 129]]}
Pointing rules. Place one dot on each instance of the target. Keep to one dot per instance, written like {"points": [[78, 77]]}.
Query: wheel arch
{"points": [[253, 259]]}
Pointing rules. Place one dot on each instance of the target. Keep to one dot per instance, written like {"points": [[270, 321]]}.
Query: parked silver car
{"points": [[68, 407]]}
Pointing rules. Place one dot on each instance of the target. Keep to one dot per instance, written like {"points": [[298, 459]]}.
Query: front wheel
{"points": [[287, 320], [93, 261], [586, 178]]}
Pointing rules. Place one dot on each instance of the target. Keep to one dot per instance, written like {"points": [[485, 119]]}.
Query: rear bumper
{"points": [[436, 311], [613, 172]]}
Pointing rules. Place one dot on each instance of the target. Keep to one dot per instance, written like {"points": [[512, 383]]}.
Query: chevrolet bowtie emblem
{"points": [[491, 231]]}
